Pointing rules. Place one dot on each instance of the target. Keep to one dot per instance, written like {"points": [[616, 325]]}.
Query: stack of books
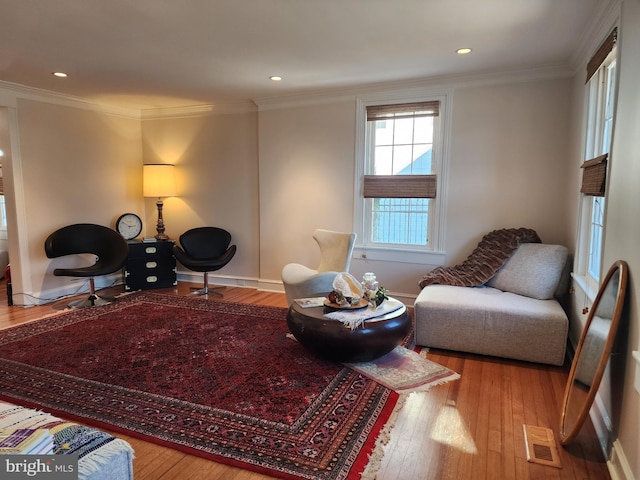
{"points": [[26, 441]]}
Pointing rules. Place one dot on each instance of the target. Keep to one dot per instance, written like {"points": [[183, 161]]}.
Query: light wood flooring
{"points": [[469, 429]]}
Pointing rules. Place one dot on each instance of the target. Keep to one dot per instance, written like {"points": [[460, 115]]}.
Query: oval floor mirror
{"points": [[592, 352]]}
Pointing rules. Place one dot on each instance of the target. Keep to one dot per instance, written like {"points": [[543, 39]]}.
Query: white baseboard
{"points": [[265, 285], [74, 286], [618, 465], [602, 424], [617, 462], [77, 286]]}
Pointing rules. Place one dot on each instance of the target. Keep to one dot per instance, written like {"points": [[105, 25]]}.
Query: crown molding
{"points": [[197, 110], [541, 72], [16, 92], [602, 22], [12, 92]]}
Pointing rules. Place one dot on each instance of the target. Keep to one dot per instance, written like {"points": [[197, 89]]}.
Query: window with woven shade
{"points": [[601, 100], [400, 172], [594, 176]]}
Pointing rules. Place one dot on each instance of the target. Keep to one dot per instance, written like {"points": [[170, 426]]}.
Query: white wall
{"points": [[216, 158], [306, 182], [508, 168], [77, 166], [508, 162]]}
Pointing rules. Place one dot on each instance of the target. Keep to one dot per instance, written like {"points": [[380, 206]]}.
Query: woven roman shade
{"points": [[594, 176], [601, 54], [399, 186], [403, 110]]}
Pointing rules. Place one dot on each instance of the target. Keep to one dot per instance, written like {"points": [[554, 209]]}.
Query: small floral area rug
{"points": [[405, 371], [216, 379]]}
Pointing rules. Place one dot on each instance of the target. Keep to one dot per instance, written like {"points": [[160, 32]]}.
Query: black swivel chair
{"points": [[205, 249], [108, 245]]}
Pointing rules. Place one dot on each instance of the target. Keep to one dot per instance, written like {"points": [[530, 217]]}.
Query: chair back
{"points": [[105, 243], [336, 249], [205, 242]]}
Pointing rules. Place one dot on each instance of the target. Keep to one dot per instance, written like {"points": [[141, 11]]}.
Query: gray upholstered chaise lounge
{"points": [[515, 314]]}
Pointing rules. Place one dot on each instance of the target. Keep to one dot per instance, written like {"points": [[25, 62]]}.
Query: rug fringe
{"points": [[90, 464], [375, 459], [429, 386]]}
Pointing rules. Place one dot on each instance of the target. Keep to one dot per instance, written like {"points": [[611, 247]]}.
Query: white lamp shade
{"points": [[158, 181]]}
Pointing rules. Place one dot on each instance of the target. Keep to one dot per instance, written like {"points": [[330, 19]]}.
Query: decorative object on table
{"points": [[355, 319], [311, 302], [344, 305], [119, 371], [346, 292], [159, 181], [369, 281], [405, 371], [129, 225], [373, 291]]}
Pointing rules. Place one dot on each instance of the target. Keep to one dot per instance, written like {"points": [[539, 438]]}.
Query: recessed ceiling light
{"points": [[60, 74], [275, 78], [463, 51]]}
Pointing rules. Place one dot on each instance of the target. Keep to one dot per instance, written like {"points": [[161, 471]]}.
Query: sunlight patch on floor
{"points": [[449, 429]]}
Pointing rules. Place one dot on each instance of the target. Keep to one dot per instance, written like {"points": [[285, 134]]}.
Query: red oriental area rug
{"points": [[215, 379]]}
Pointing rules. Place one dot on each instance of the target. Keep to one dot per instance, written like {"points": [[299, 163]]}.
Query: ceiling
{"points": [[164, 53]]}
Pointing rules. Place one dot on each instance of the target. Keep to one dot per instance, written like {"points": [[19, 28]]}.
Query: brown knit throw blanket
{"points": [[493, 250]]}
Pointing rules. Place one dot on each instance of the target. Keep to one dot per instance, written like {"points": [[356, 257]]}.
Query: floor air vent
{"points": [[541, 446]]}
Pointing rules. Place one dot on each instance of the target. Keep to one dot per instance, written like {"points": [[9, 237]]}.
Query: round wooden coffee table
{"points": [[332, 340]]}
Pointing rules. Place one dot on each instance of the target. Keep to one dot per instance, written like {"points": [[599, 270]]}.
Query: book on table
{"points": [[310, 302]]}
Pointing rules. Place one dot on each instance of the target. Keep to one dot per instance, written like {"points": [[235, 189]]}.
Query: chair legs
{"points": [[93, 300], [206, 290]]}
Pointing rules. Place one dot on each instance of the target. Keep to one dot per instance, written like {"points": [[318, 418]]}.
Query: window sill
{"points": [[399, 255], [581, 282]]}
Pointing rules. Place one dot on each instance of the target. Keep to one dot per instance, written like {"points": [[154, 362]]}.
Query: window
{"points": [[601, 91], [399, 199]]}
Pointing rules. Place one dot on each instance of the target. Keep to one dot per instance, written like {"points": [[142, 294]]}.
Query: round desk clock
{"points": [[129, 225]]}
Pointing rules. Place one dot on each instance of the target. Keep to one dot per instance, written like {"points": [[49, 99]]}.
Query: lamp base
{"points": [[160, 236]]}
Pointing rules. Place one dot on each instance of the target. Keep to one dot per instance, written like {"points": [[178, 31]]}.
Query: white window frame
{"points": [[3, 209], [600, 110], [433, 253]]}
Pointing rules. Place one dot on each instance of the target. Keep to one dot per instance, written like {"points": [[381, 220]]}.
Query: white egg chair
{"points": [[336, 249]]}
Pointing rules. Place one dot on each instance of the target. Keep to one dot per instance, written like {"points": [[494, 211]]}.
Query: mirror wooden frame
{"points": [[569, 431]]}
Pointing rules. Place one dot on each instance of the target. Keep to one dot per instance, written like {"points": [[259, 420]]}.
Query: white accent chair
{"points": [[335, 249]]}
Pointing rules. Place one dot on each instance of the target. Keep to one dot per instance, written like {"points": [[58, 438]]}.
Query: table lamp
{"points": [[159, 181]]}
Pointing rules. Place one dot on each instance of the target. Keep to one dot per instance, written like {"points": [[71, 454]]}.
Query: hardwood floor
{"points": [[471, 428]]}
